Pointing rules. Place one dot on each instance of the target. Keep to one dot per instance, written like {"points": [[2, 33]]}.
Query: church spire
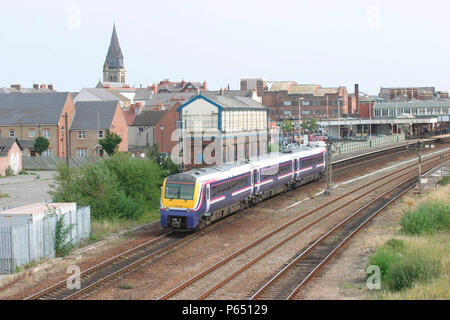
{"points": [[113, 68], [114, 58]]}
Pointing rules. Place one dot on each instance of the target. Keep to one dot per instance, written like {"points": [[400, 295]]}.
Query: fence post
{"points": [[11, 261]]}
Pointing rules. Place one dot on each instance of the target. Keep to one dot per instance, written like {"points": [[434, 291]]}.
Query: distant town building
{"points": [[285, 99], [17, 88], [402, 94], [113, 68], [26, 116], [258, 84], [92, 119], [224, 128], [10, 156]]}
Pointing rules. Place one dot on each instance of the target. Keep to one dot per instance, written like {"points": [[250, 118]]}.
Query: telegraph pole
{"points": [[328, 172], [67, 139]]}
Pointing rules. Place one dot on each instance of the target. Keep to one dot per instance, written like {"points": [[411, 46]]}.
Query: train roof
{"points": [[224, 170]]}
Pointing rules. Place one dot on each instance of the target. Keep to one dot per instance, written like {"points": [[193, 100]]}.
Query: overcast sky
{"points": [[373, 43]]}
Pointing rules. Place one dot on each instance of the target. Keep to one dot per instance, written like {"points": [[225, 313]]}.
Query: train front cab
{"points": [[181, 197]]}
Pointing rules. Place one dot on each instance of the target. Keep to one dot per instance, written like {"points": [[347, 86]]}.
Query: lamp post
{"points": [[67, 139], [162, 138], [339, 118], [299, 119]]}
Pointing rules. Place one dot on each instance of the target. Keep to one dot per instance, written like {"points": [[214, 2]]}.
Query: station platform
{"points": [[336, 158]]}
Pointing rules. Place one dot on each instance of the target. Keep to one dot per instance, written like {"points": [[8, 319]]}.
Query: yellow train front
{"points": [[182, 202]]}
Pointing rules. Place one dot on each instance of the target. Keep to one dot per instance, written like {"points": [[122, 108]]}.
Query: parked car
{"points": [[290, 147]]}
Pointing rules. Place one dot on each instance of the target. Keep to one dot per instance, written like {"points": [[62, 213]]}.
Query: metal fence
{"points": [[23, 244], [377, 141], [51, 163]]}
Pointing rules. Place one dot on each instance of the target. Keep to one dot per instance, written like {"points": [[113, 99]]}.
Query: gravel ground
{"points": [[152, 280], [26, 189]]}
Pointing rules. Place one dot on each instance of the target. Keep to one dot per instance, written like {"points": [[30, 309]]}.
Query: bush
{"points": [[9, 172], [444, 181], [428, 218], [409, 270], [400, 267], [117, 187]]}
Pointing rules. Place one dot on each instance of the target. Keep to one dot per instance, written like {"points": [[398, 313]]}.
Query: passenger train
{"points": [[194, 199]]}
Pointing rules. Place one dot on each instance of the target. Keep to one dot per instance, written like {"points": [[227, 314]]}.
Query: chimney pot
{"points": [[17, 86]]}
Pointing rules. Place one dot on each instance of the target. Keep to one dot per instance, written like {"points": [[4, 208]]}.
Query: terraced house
{"points": [[26, 116], [91, 120]]}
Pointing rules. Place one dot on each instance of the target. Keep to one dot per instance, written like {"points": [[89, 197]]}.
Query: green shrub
{"points": [[410, 269], [400, 267], [9, 172], [117, 187], [428, 218], [62, 243], [444, 181]]}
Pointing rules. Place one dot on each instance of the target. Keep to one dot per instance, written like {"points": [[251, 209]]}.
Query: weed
{"points": [[427, 218]]}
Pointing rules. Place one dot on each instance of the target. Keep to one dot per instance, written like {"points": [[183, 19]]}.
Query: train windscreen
{"points": [[179, 190]]}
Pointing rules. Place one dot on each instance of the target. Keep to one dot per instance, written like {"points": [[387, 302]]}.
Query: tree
{"points": [[287, 126], [41, 145], [313, 125], [110, 143]]}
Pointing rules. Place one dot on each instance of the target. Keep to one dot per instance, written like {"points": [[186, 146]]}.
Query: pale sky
{"points": [[373, 43]]}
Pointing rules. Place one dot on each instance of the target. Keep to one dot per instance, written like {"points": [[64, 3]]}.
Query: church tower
{"points": [[113, 69]]}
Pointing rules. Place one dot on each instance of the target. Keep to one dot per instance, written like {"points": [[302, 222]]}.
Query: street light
{"points": [[162, 138], [299, 119], [339, 117]]}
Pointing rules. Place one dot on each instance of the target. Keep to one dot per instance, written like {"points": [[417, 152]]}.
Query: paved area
{"points": [[25, 189]]}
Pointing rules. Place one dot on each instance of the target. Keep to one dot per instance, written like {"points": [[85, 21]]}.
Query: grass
{"points": [[428, 218], [415, 263], [102, 228], [444, 181], [402, 265], [4, 195]]}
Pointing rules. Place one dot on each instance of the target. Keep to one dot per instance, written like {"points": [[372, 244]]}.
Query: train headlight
{"points": [[189, 210]]}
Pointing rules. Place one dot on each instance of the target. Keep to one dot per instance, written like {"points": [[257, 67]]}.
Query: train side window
{"points": [[213, 192]]}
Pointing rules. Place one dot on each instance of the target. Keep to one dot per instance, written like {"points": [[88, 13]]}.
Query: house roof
{"points": [[143, 94], [98, 94], [229, 102], [303, 89], [148, 118], [31, 108], [94, 115], [281, 85], [6, 144], [169, 98], [323, 91]]}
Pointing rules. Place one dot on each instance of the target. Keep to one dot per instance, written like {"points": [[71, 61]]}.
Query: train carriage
{"points": [[194, 199]]}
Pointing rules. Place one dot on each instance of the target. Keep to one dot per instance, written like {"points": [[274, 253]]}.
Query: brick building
{"points": [[284, 97], [26, 116], [154, 126], [10, 156], [91, 120], [221, 128]]}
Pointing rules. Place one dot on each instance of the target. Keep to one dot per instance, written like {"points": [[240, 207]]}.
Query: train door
{"points": [[208, 197], [256, 180]]}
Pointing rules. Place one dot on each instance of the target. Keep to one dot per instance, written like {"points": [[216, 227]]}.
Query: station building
{"points": [[215, 129], [409, 118]]}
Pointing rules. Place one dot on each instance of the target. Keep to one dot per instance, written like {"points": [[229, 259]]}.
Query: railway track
{"points": [[287, 283], [110, 269], [224, 265]]}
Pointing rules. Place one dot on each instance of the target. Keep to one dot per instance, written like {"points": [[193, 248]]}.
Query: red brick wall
{"points": [[169, 121], [366, 109], [119, 126]]}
